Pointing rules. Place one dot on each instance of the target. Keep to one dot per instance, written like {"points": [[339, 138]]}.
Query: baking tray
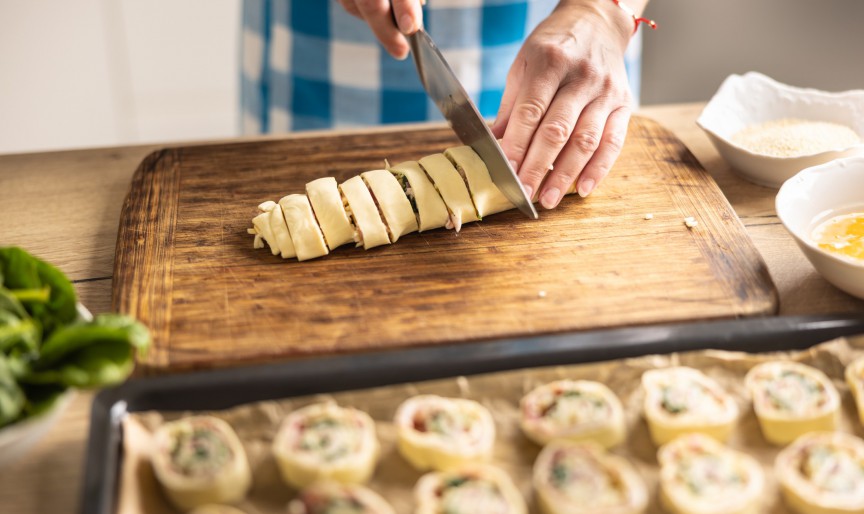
{"points": [[222, 389]]}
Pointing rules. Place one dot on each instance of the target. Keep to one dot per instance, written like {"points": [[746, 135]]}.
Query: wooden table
{"points": [[64, 207]]}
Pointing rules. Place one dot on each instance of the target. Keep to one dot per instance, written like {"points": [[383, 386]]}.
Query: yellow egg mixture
{"points": [[842, 235]]}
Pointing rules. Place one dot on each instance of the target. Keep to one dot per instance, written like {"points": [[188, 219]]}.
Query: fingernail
{"points": [[585, 187], [550, 198], [529, 191], [406, 24]]}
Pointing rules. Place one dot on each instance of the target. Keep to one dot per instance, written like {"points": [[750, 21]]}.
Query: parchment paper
{"points": [[256, 425]]}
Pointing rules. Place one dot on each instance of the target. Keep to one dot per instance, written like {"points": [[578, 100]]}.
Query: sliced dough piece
{"points": [[330, 212], [371, 231], [305, 232], [262, 230], [452, 188], [576, 410], [216, 509], [574, 478], [468, 489], [439, 433], [487, 198], [281, 233], [680, 400], [822, 473], [336, 498], [199, 460], [699, 475], [855, 379], [791, 399], [431, 211], [324, 441], [391, 200]]}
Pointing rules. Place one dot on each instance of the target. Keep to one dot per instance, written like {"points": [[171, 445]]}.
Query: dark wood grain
{"points": [[185, 264]]}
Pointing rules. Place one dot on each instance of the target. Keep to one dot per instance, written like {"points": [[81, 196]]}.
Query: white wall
{"points": [[76, 73]]}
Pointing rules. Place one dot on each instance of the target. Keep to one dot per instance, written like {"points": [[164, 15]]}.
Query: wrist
{"points": [[617, 20]]}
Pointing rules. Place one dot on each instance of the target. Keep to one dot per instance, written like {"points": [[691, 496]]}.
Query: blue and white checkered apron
{"points": [[308, 64]]}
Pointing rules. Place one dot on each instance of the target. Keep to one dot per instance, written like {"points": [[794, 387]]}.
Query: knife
{"points": [[444, 89]]}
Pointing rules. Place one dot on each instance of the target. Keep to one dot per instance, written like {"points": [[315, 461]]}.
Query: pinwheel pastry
{"points": [[855, 380], [468, 489], [336, 498]]}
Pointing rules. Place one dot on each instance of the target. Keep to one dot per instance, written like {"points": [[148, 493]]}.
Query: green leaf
{"points": [[41, 398], [105, 328], [20, 338], [11, 396], [11, 305], [97, 365]]}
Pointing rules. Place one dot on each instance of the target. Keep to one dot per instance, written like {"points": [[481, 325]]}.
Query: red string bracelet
{"points": [[636, 20]]}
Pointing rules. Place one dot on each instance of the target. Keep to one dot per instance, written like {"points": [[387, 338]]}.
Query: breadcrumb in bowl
{"points": [[768, 131]]}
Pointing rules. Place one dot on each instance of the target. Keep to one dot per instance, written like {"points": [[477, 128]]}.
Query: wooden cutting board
{"points": [[186, 267]]}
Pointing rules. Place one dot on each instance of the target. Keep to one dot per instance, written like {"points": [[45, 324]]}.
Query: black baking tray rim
{"points": [[225, 388]]}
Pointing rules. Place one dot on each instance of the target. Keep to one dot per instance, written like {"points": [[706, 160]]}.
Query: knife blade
{"points": [[450, 97]]}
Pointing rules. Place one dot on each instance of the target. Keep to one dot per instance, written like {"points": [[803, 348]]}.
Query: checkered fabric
{"points": [[308, 64]]}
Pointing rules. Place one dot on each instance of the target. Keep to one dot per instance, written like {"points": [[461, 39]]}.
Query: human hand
{"points": [[566, 103], [377, 14]]}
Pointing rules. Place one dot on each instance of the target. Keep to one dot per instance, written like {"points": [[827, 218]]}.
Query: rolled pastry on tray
{"points": [[487, 198], [581, 478], [330, 212], [468, 489], [679, 400], [336, 498], [425, 200], [360, 205], [198, 461], [822, 473], [699, 475], [324, 441], [215, 508], [854, 376], [305, 232], [791, 399], [392, 202], [452, 188], [576, 410], [438, 433]]}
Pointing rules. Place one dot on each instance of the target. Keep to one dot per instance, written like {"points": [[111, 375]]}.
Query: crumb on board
{"points": [[649, 216], [690, 222], [541, 294]]}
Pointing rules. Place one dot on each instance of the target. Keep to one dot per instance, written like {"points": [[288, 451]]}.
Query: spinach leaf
{"points": [[40, 398], [11, 396], [96, 365]]}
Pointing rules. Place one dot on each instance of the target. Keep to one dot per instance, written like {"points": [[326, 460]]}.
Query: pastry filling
{"points": [[570, 407], [710, 476], [380, 212], [691, 397], [794, 392], [358, 233], [829, 468], [199, 452], [329, 438], [581, 478], [471, 495], [447, 424], [343, 504]]}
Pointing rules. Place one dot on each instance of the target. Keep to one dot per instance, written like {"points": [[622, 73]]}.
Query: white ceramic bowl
{"points": [[814, 195], [753, 98]]}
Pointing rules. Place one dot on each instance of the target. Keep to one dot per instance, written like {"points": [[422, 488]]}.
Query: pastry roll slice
{"points": [[427, 203], [578, 410], [305, 232], [262, 229], [336, 498], [394, 205], [791, 399], [574, 478], [213, 508], [330, 212], [199, 460], [468, 489], [855, 379], [822, 473], [439, 433], [680, 400], [452, 188], [487, 198], [699, 475], [324, 441], [280, 231], [371, 231]]}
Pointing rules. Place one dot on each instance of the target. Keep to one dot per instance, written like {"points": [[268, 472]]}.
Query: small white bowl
{"points": [[815, 195], [753, 98], [19, 437]]}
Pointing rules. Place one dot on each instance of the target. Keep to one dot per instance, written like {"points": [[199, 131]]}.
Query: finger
{"points": [[408, 15], [549, 140], [380, 20], [535, 94], [508, 98], [607, 153], [350, 7]]}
